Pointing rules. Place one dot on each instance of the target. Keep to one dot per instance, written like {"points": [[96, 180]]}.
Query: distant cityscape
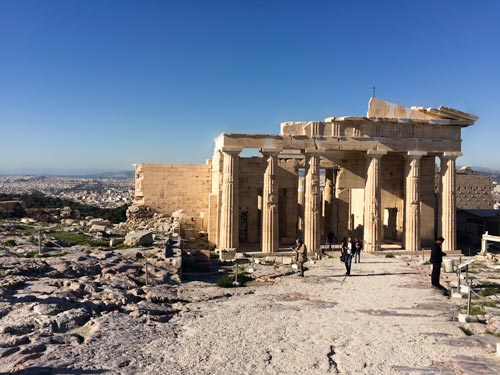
{"points": [[101, 192]]}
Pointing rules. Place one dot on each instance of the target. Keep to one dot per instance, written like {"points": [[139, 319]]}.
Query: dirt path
{"points": [[384, 319]]}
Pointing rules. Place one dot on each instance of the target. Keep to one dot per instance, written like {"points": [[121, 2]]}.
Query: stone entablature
{"points": [[387, 120]]}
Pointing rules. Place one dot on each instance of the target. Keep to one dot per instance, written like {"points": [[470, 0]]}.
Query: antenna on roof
{"points": [[373, 91]]}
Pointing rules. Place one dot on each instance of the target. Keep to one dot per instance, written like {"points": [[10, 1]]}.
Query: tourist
{"points": [[318, 253], [436, 260], [358, 246], [301, 250], [347, 251], [331, 239]]}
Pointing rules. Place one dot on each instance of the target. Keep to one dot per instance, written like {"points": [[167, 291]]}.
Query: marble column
{"points": [[230, 212], [270, 228], [312, 207], [412, 200], [301, 202], [328, 197], [372, 212], [448, 202]]}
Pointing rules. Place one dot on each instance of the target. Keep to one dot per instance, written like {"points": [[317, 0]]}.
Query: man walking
{"points": [[436, 260], [301, 250]]}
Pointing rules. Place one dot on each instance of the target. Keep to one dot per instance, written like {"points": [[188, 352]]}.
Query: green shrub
{"points": [[227, 281], [390, 256], [474, 309], [466, 330], [10, 243], [489, 292], [73, 239]]}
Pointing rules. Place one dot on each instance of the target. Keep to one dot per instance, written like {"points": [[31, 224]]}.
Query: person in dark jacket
{"points": [[358, 246], [331, 239], [436, 260]]}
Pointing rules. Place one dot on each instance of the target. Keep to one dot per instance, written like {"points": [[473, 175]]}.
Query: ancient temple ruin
{"points": [[371, 176]]}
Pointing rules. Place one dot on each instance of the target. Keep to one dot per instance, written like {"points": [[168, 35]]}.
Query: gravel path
{"points": [[384, 319]]}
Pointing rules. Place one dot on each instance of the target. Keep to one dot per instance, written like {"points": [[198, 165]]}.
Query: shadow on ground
{"points": [[40, 370]]}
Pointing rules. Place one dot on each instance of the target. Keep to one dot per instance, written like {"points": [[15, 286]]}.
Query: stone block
{"points": [[227, 254], [448, 265], [464, 289]]}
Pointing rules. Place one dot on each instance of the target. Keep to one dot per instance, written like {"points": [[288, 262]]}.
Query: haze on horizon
{"points": [[96, 86]]}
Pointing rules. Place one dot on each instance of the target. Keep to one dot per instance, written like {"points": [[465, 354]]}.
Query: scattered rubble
{"points": [[51, 299]]}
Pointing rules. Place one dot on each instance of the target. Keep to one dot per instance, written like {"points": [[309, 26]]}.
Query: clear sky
{"points": [[101, 84]]}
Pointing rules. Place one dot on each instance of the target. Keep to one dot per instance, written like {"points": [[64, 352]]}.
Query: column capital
{"points": [[375, 153], [415, 155], [270, 151], [313, 152], [451, 154], [231, 150]]}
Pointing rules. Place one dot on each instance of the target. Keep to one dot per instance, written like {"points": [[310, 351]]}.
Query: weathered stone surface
{"points": [[493, 325], [99, 222], [97, 228], [12, 341], [71, 319], [115, 241]]}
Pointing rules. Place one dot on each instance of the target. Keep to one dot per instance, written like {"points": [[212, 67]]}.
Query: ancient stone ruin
{"points": [[378, 174]]}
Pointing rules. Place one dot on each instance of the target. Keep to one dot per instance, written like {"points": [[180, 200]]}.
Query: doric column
{"points": [[372, 213], [412, 200], [312, 208], [270, 228], [448, 203], [229, 220]]}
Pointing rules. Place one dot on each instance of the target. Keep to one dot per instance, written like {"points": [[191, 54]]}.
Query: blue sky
{"points": [[101, 84]]}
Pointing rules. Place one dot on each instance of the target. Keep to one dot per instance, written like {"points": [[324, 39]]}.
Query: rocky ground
{"points": [[90, 312]]}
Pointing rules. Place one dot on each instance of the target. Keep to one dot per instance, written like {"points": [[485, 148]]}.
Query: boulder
{"points": [[139, 238], [115, 241], [101, 222], [66, 213], [97, 228]]}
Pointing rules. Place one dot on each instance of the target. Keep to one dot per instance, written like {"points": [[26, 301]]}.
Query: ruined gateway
{"points": [[378, 181]]}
